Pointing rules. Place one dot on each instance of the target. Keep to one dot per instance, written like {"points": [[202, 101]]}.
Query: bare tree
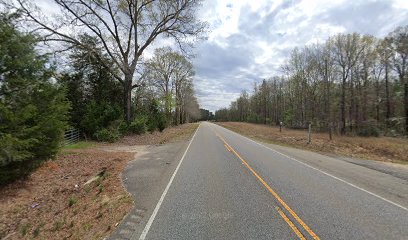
{"points": [[183, 87], [399, 43], [346, 50], [125, 29], [160, 72], [171, 73]]}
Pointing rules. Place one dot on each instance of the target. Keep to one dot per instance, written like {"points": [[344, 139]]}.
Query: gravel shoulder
{"points": [[146, 177]]}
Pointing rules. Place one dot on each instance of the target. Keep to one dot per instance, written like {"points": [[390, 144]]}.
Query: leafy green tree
{"points": [[94, 94], [33, 110]]}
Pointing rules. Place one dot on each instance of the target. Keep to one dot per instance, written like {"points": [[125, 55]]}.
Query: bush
{"points": [[99, 115], [122, 127], [138, 126], [151, 125], [106, 135], [162, 123], [157, 119]]}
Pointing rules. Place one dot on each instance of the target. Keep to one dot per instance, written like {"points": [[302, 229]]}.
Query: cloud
{"points": [[249, 40]]}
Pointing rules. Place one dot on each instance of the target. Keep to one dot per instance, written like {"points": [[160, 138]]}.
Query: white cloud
{"points": [[250, 39]]}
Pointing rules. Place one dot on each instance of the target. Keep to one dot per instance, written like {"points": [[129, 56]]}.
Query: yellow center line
{"points": [[295, 216], [290, 223]]}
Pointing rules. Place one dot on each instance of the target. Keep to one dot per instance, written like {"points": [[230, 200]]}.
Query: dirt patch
{"points": [[79, 195], [55, 203], [382, 148]]}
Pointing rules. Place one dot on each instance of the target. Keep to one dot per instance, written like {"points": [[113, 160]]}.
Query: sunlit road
{"points": [[229, 187]]}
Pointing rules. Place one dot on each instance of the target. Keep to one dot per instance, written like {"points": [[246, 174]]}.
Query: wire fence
{"points": [[71, 136], [394, 127]]}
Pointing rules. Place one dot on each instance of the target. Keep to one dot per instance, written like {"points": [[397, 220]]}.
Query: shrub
{"points": [[138, 125], [157, 119], [106, 135], [122, 126], [162, 123], [151, 125], [71, 201], [99, 115]]}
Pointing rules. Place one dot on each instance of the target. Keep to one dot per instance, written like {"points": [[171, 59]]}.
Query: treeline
{"points": [[352, 84], [165, 96], [206, 115], [101, 83]]}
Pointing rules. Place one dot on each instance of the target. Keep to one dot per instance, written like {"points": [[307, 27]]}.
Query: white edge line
{"points": [[328, 174], [156, 209]]}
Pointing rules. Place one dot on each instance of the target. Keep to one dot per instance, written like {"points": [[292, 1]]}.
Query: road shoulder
{"points": [[145, 178]]}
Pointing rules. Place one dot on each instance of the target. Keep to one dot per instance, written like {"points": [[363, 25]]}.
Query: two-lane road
{"points": [[229, 187]]}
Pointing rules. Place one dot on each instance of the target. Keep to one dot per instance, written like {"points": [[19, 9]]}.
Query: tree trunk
{"points": [[127, 98], [377, 102], [352, 107], [387, 97], [327, 102], [343, 107], [406, 106]]}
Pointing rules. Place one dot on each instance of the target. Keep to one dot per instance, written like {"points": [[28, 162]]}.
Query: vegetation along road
{"points": [[193, 119], [227, 186]]}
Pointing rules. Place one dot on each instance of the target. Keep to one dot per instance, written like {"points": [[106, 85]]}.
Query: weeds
{"points": [[57, 226], [87, 226], [71, 201], [100, 189], [36, 232], [24, 229], [79, 145]]}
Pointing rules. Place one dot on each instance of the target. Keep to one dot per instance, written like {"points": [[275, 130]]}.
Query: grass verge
{"points": [[385, 149], [79, 145]]}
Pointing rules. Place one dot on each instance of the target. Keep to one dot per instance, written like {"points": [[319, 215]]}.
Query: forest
{"points": [[84, 67], [352, 84]]}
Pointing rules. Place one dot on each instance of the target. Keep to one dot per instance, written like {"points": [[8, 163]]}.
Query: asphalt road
{"points": [[229, 187]]}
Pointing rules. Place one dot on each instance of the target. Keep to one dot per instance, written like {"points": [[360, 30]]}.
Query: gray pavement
{"points": [[241, 189]]}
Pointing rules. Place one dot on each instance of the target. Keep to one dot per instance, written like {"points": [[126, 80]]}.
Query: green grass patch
{"points": [[71, 201]]}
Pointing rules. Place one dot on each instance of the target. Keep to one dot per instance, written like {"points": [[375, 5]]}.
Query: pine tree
{"points": [[33, 110]]}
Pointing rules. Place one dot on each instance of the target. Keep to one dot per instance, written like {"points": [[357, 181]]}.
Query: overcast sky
{"points": [[250, 39]]}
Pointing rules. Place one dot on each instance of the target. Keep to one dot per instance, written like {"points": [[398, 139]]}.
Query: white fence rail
{"points": [[71, 136]]}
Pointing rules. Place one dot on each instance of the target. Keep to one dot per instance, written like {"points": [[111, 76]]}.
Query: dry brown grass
{"points": [[54, 202], [381, 148], [170, 134]]}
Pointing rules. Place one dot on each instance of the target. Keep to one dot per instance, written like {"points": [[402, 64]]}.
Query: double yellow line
{"points": [[285, 206]]}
